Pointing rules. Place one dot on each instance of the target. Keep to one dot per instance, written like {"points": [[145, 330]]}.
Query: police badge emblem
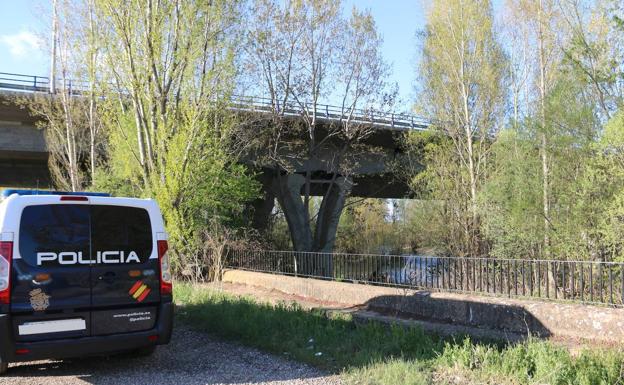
{"points": [[39, 300]]}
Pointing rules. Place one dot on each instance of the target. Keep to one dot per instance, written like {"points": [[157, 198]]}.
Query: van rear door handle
{"points": [[108, 276]]}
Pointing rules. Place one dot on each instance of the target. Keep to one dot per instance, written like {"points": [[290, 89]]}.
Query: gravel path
{"points": [[191, 358]]}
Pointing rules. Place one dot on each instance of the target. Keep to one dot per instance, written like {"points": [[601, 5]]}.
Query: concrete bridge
{"points": [[368, 171], [23, 153]]}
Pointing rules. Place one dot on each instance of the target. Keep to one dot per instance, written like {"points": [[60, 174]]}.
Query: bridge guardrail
{"points": [[399, 121], [591, 282]]}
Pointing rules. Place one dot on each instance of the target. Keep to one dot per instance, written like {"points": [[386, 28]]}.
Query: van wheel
{"points": [[4, 366], [146, 351]]}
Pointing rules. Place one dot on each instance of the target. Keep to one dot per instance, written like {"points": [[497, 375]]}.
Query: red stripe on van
{"points": [[135, 287]]}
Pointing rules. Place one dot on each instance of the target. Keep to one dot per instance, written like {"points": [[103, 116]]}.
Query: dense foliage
{"points": [[152, 118], [536, 173], [524, 158]]}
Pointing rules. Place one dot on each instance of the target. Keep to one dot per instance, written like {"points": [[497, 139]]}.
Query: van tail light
{"points": [[166, 285], [6, 255]]}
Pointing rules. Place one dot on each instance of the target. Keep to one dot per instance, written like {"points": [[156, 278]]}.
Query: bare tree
{"points": [[62, 113], [53, 50], [520, 64], [543, 21], [307, 53]]}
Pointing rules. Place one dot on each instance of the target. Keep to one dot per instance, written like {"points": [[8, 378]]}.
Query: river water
{"points": [[411, 270]]}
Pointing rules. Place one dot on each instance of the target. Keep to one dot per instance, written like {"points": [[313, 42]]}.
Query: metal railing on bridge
{"points": [[398, 121], [591, 282]]}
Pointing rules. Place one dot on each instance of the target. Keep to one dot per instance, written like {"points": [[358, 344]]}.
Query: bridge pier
{"points": [[329, 214], [287, 189], [263, 206]]}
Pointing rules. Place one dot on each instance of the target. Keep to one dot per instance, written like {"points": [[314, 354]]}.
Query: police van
{"points": [[81, 274]]}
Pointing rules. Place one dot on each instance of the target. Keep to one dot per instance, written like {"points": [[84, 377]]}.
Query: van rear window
{"points": [[53, 229], [119, 228], [86, 229]]}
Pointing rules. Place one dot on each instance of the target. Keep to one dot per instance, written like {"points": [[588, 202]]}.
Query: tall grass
{"points": [[372, 353]]}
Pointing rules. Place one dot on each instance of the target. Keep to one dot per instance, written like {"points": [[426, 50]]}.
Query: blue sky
{"points": [[397, 21], [20, 46]]}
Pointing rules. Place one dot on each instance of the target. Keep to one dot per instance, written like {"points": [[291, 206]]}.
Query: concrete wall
{"points": [[544, 319], [23, 155], [18, 136]]}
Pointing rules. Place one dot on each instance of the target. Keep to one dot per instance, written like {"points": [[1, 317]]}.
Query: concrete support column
{"points": [[287, 189], [328, 219], [263, 206]]}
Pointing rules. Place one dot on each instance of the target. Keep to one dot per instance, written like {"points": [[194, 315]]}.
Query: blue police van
{"points": [[81, 274]]}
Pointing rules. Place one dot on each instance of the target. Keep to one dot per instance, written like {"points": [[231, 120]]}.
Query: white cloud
{"points": [[22, 44]]}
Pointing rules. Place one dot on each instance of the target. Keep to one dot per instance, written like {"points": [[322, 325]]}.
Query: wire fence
{"points": [[594, 282], [328, 112]]}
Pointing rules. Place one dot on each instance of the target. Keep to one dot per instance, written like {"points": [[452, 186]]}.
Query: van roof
{"points": [[8, 192]]}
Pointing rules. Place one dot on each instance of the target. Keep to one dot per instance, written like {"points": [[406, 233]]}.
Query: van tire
{"points": [[4, 366], [146, 351]]}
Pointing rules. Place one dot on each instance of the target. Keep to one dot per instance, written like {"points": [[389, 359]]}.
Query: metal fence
{"points": [[580, 281], [398, 121]]}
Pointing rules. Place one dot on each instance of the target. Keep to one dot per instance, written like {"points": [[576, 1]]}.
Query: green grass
{"points": [[373, 353]]}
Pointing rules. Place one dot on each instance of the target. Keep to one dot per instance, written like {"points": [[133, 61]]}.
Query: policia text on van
{"points": [[80, 274]]}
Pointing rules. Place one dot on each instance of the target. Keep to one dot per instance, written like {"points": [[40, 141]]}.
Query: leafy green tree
{"points": [[463, 89], [167, 75], [364, 227], [149, 115], [511, 198], [596, 50], [604, 191]]}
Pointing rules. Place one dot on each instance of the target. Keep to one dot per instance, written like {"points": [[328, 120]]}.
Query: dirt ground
{"points": [[192, 358]]}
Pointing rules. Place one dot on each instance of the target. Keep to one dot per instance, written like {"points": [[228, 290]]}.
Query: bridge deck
{"points": [[327, 112]]}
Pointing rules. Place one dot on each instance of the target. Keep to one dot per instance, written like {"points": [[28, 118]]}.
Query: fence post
{"points": [[539, 279], [563, 279], [487, 275], [622, 277], [582, 288], [554, 270], [600, 272], [523, 279], [508, 279], [572, 279], [591, 281], [531, 278], [610, 283], [515, 263]]}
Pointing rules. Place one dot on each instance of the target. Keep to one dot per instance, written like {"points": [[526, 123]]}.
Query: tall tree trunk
{"points": [[544, 139], [71, 145], [92, 63], [92, 134], [468, 137], [53, 53]]}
